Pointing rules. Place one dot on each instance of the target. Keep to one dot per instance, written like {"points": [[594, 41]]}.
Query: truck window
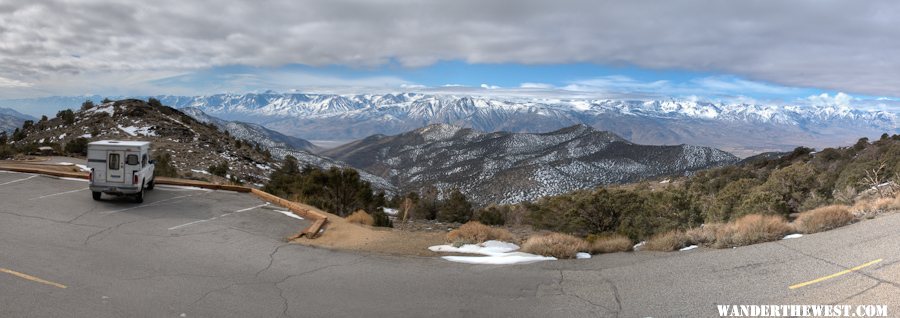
{"points": [[113, 161], [131, 160]]}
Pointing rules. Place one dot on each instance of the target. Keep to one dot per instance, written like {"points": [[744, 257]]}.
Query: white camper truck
{"points": [[120, 168]]}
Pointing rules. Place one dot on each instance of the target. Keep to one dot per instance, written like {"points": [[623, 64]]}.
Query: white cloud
{"points": [[839, 100], [486, 86], [535, 85], [781, 44], [11, 83]]}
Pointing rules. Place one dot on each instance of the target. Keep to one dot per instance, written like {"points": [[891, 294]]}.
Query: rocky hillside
{"points": [[194, 146], [280, 145], [505, 167], [11, 119]]}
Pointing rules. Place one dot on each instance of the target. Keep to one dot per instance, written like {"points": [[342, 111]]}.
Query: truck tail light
{"points": [[135, 179], [91, 175]]}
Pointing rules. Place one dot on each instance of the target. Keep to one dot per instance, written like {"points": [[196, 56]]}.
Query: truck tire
{"points": [[139, 197], [151, 184], [96, 195]]}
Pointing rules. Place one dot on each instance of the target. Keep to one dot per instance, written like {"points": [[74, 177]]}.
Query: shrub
{"points": [[555, 244], [220, 169], [667, 241], [704, 235], [492, 215], [360, 217], [338, 190], [381, 219], [67, 115], [609, 244], [88, 104], [474, 232], [455, 209], [823, 219], [77, 146], [163, 165], [752, 229]]}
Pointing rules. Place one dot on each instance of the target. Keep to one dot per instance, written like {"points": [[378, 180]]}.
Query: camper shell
{"points": [[120, 168]]}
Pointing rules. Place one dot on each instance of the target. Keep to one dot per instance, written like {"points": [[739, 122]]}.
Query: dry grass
{"points": [[555, 244], [360, 217], [610, 244], [704, 235], [752, 229], [824, 218], [667, 241], [474, 232]]}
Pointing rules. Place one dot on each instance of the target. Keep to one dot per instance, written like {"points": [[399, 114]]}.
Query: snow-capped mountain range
{"points": [[741, 128], [504, 167]]}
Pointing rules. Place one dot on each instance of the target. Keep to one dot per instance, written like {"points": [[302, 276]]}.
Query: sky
{"points": [[842, 52]]}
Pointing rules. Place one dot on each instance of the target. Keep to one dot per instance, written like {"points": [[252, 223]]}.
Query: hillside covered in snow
{"points": [[503, 167]]}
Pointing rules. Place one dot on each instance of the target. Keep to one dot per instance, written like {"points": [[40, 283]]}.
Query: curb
{"points": [[309, 232]]}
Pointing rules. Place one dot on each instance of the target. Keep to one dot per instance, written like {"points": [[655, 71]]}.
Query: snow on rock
{"points": [[496, 253], [582, 255], [792, 236], [688, 248]]}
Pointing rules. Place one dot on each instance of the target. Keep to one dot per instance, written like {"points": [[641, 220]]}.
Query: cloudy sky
{"points": [[754, 50]]}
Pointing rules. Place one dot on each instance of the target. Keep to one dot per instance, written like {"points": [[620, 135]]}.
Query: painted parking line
{"points": [[31, 278], [841, 273], [216, 217], [151, 204], [56, 194], [18, 180]]}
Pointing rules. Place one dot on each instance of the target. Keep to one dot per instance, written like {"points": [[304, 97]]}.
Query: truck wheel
{"points": [[96, 195], [139, 197], [151, 184]]}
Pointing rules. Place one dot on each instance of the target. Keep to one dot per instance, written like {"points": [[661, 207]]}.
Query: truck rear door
{"points": [[115, 166]]}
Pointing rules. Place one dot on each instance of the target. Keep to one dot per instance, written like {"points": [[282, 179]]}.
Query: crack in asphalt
{"points": [[271, 259], [47, 219], [563, 292]]}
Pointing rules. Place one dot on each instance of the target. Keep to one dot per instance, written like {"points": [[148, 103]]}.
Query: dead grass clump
{"points": [[667, 241], [360, 217], [610, 244], [474, 232], [823, 219], [704, 235], [752, 229], [555, 244]]}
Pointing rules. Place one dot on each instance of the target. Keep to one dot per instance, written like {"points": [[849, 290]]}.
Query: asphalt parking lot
{"points": [[189, 252]]}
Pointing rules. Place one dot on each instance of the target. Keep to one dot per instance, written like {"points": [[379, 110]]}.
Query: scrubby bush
{"points": [[492, 215], [88, 104], [704, 235], [337, 190], [752, 229], [667, 241], [474, 232], [163, 165], [360, 217], [77, 146], [455, 209], [220, 169], [609, 244], [823, 219], [67, 115], [555, 244], [381, 219]]}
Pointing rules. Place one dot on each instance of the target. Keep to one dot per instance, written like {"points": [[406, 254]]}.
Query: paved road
{"points": [[198, 253]]}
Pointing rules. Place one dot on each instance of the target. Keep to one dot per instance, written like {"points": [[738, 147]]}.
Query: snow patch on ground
{"points": [[390, 211], [688, 248], [199, 171], [638, 246], [496, 253], [792, 236], [582, 255], [135, 131], [289, 213]]}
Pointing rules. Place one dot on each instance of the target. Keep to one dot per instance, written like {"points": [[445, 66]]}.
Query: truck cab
{"points": [[120, 168]]}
